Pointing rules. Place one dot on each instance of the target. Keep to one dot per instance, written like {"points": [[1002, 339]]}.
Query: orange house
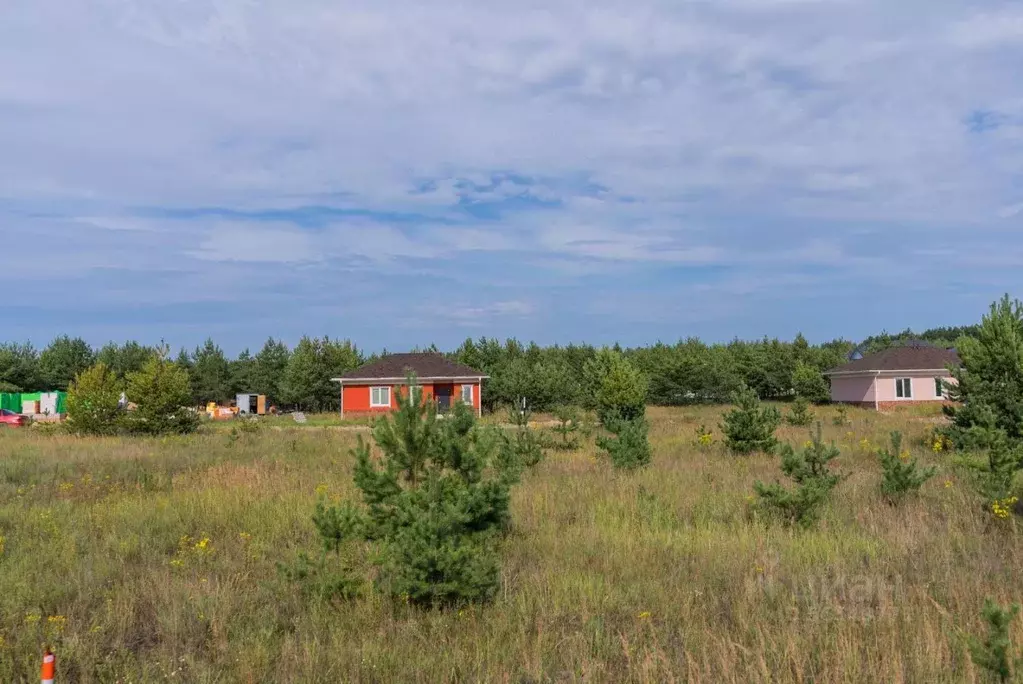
{"points": [[372, 389]]}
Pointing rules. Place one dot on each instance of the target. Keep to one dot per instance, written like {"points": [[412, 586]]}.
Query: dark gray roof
{"points": [[424, 365], [902, 358]]}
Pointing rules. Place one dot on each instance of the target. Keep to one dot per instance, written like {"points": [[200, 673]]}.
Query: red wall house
{"points": [[372, 389]]}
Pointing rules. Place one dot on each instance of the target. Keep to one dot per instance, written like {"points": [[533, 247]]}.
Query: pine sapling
{"points": [[566, 429], [841, 416], [994, 652], [749, 427], [801, 415], [900, 474], [628, 446], [813, 479]]}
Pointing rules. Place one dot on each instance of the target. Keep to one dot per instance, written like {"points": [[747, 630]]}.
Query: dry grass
{"points": [[659, 576]]}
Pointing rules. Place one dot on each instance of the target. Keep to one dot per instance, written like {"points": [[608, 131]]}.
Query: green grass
{"points": [[662, 575]]}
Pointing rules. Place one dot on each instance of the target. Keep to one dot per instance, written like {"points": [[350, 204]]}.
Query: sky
{"points": [[400, 173]]}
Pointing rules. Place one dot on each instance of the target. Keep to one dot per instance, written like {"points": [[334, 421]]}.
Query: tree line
{"points": [[689, 371]]}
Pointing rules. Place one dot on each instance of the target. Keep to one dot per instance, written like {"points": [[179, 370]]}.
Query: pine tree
{"points": [[813, 479], [628, 446], [749, 427], [809, 383], [801, 415], [436, 503], [989, 383], [900, 473], [63, 360], [994, 653], [161, 393], [210, 375], [617, 389], [271, 363]]}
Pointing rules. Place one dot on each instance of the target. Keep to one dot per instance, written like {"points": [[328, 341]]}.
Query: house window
{"points": [[939, 388], [379, 396], [903, 388], [467, 394]]}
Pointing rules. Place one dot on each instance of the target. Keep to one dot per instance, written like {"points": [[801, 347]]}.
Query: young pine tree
{"points": [[748, 427], [436, 505], [900, 474], [628, 446], [813, 479], [161, 393], [524, 449], [994, 652], [801, 415], [566, 429]]}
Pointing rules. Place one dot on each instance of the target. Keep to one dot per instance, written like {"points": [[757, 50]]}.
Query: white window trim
{"points": [[462, 394], [374, 390], [908, 384]]}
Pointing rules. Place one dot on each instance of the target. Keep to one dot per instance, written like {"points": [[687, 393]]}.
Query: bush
{"points": [[841, 417], [629, 447], [618, 388], [801, 415], [748, 427], [809, 470], [900, 474], [94, 402], [435, 506], [161, 393], [809, 383]]}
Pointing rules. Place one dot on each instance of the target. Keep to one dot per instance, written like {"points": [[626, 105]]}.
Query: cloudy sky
{"points": [[402, 172]]}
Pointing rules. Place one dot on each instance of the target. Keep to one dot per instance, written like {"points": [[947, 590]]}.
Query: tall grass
{"points": [[154, 559]]}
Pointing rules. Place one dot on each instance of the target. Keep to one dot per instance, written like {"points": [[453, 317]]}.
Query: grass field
{"points": [[152, 560]]}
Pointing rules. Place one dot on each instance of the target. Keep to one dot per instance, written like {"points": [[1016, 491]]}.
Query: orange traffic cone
{"points": [[49, 664]]}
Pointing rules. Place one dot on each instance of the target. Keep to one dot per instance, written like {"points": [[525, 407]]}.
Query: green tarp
{"points": [[13, 401]]}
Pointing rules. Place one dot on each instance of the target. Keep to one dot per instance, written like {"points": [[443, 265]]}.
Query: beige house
{"points": [[900, 376]]}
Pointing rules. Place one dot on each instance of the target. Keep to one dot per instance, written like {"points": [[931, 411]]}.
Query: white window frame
{"points": [[905, 385], [379, 404], [461, 392]]}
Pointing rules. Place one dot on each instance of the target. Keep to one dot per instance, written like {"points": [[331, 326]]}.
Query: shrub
{"points": [[161, 393], [94, 402], [841, 417], [809, 383], [801, 415], [704, 437], [748, 427], [618, 388], [435, 505], [994, 653], [628, 447], [900, 474], [810, 472]]}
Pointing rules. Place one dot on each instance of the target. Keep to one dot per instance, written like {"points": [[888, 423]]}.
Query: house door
{"points": [[443, 394]]}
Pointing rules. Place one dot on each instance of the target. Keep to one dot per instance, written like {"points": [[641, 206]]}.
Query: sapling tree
{"points": [[810, 472], [523, 450], [436, 502], [993, 653], [749, 427], [800, 415], [566, 429], [628, 445], [94, 402], [900, 473]]}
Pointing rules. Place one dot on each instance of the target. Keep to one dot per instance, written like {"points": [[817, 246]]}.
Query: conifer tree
{"points": [[900, 473], [989, 383], [749, 427], [813, 479], [436, 503], [628, 446]]}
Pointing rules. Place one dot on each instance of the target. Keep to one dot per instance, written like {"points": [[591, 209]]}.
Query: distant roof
{"points": [[424, 365], [915, 357]]}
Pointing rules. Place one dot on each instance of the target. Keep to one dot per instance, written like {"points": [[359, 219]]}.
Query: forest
{"points": [[687, 372]]}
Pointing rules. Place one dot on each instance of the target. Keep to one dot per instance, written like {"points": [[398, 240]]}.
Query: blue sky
{"points": [[402, 173]]}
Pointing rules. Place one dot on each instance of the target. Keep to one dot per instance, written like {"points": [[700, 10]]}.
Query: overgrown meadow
{"points": [[152, 559]]}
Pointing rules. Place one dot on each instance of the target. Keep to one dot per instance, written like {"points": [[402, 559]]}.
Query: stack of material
{"points": [[30, 407]]}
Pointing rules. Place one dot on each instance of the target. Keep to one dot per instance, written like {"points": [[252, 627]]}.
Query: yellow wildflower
{"points": [[948, 484], [807, 444], [66, 487], [645, 615], [904, 455], [56, 623], [1002, 508], [245, 536], [321, 489], [2, 540], [32, 618]]}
